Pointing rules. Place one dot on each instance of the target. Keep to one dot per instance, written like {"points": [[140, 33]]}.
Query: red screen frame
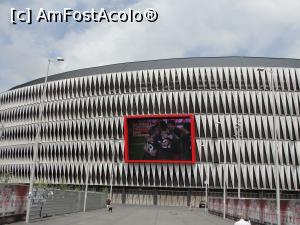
{"points": [[193, 141]]}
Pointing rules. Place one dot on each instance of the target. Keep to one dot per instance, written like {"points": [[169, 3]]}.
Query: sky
{"points": [[193, 28]]}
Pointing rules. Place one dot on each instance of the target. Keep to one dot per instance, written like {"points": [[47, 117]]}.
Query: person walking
{"points": [[108, 205]]}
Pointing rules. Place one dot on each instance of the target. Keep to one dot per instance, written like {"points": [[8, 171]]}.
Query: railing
{"points": [[63, 202], [252, 195]]}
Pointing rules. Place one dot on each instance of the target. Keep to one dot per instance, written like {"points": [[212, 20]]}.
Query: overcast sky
{"points": [[266, 28]]}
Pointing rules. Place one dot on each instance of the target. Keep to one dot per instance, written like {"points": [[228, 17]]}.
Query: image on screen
{"points": [[159, 139]]}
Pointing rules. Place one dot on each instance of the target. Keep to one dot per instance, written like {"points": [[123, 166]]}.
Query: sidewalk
{"points": [[137, 215]]}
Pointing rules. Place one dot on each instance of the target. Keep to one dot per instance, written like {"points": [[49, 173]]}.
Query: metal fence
{"points": [[46, 203]]}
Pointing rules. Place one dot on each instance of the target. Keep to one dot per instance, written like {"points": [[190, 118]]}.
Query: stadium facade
{"points": [[232, 99]]}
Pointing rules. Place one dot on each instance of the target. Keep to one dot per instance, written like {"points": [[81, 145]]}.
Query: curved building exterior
{"points": [[236, 112]]}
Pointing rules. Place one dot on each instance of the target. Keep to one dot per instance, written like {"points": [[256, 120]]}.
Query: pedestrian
{"points": [[192, 205], [108, 205]]}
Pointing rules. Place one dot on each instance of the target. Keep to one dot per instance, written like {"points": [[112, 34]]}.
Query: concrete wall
{"points": [[259, 211]]}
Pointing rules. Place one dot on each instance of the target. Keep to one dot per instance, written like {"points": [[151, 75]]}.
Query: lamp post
{"points": [[224, 179], [115, 137], [111, 176], [1, 138], [86, 180], [38, 136], [275, 144], [206, 195], [238, 131], [202, 149], [206, 191], [112, 168]]}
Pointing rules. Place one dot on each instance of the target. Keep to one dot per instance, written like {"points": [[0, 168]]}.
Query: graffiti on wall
{"points": [[259, 210], [13, 199]]}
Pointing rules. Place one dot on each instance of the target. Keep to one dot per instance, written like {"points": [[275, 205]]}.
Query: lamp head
{"points": [[60, 59], [261, 69]]}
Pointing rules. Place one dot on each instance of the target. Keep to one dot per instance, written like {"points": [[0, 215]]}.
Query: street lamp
{"points": [[111, 176], [1, 138], [38, 136], [59, 59], [87, 169], [238, 132], [114, 160], [206, 186], [224, 179], [275, 144], [112, 168], [206, 194]]}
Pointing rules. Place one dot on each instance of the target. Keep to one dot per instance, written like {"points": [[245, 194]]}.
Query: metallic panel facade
{"points": [[82, 127]]}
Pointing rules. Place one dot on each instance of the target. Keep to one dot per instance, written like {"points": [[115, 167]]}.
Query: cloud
{"points": [[197, 28]]}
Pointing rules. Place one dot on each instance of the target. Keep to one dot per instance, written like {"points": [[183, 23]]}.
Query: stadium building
{"points": [[237, 103]]}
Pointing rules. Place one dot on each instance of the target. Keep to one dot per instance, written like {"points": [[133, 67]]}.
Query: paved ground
{"points": [[137, 215]]}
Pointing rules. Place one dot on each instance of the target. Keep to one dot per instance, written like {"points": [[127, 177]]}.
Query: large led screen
{"points": [[160, 138]]}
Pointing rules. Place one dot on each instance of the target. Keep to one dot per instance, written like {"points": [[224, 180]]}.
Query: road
{"points": [[137, 215]]}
